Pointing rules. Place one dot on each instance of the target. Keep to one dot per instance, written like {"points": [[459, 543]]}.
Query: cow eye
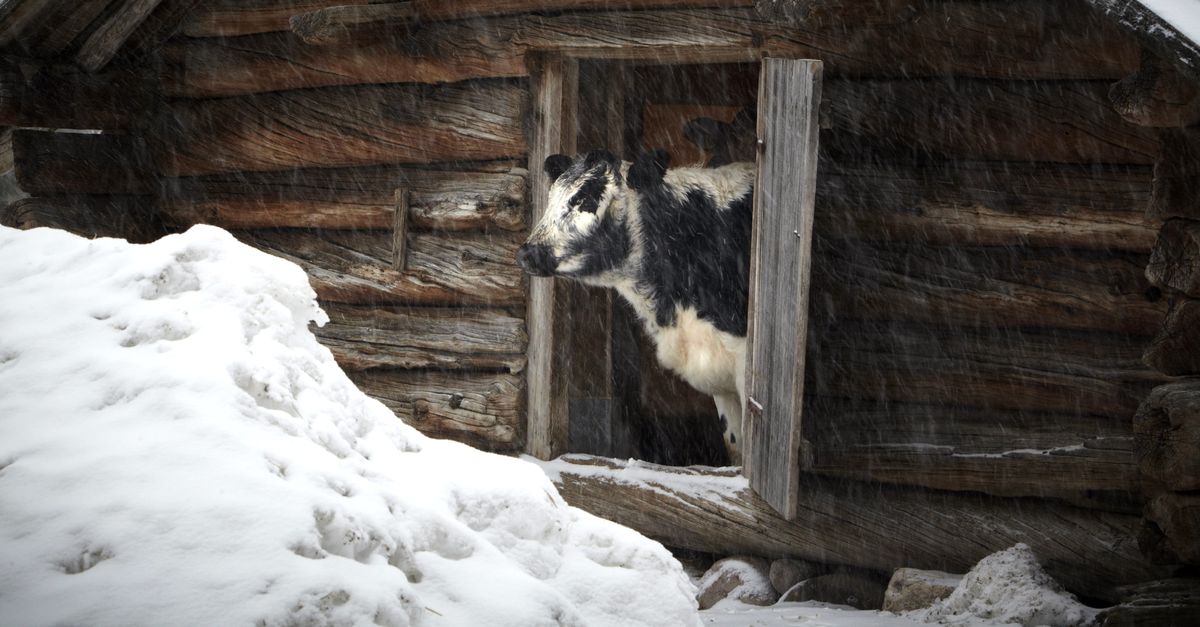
{"points": [[588, 205]]}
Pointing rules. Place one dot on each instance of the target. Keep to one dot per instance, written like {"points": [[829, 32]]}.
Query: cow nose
{"points": [[536, 259]]}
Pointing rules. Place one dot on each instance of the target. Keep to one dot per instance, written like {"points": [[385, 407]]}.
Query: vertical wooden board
{"points": [[788, 101], [554, 89]]}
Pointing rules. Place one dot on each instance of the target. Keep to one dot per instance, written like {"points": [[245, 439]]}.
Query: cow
{"points": [[675, 244]]}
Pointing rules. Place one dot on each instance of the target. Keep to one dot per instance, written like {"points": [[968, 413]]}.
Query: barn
{"points": [[977, 286]]}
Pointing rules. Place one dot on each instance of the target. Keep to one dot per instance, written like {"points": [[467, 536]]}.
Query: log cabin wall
{"points": [[979, 308]]}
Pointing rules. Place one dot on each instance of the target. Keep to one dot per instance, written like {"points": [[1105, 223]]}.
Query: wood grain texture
{"points": [[126, 217], [974, 203], [1175, 350], [355, 267], [1175, 259], [103, 43], [855, 524], [362, 338], [481, 196], [160, 25], [989, 286], [1171, 530], [479, 409], [82, 163], [1155, 33], [23, 18], [555, 84], [1167, 436], [62, 97], [1177, 175], [1159, 603], [70, 25], [993, 451], [344, 127], [1001, 368], [789, 100], [1156, 95]]}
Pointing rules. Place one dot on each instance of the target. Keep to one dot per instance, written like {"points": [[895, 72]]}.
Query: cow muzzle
{"points": [[537, 259]]}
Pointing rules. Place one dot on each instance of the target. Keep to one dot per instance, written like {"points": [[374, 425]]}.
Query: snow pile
{"points": [[1008, 587], [176, 448]]}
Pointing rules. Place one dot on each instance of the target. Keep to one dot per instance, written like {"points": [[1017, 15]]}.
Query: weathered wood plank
{"points": [[81, 163], [362, 338], [1176, 190], [789, 100], [159, 26], [555, 86], [126, 217], [1160, 603], [355, 267], [103, 43], [1175, 350], [1005, 368], [1155, 33], [23, 18], [63, 97], [856, 524], [1175, 258], [1167, 436], [972, 203], [480, 409], [473, 197], [344, 127], [989, 287], [70, 25], [1171, 530], [1156, 95]]}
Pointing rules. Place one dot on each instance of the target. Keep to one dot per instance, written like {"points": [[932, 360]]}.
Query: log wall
{"points": [[979, 307]]}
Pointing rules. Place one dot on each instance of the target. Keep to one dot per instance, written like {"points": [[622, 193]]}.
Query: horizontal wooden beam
{"points": [[125, 217], [484, 196], [48, 163], [988, 287], [1000, 368], [714, 511], [973, 203], [362, 338], [479, 409], [442, 269], [62, 97], [1013, 40], [343, 127]]}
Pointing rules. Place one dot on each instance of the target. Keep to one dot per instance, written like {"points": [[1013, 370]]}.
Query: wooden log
{"points": [[344, 127], [62, 97], [126, 217], [988, 287], [50, 163], [971, 203], [103, 43], [997, 452], [484, 196], [1175, 258], [1175, 350], [1176, 191], [6, 152], [1171, 531], [438, 53], [480, 409], [362, 338], [355, 267], [877, 527], [1067, 122], [68, 26], [1159, 603], [1014, 40], [24, 18], [1156, 95], [1166, 432], [1003, 368], [231, 18], [159, 26]]}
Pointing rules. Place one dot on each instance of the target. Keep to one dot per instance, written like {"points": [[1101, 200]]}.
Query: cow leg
{"points": [[730, 410]]}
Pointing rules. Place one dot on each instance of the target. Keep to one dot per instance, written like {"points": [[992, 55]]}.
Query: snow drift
{"points": [[177, 448]]}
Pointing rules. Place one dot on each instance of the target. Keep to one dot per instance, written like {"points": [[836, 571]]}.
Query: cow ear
{"points": [[555, 165], [597, 157], [649, 169]]}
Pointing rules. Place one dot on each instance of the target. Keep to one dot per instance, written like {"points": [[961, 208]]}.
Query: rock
{"points": [[744, 579], [915, 589], [850, 589], [786, 573]]}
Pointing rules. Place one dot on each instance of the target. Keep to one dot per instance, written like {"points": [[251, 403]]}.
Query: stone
{"points": [[915, 589], [744, 579], [786, 573], [843, 588]]}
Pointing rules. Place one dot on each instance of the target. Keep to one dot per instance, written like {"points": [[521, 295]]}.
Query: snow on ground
{"points": [[732, 614], [176, 448]]}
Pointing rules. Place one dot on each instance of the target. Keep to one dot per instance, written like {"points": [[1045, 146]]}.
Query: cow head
{"points": [[585, 230]]}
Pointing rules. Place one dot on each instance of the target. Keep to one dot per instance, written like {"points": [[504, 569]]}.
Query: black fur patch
{"points": [[555, 165], [648, 170], [587, 199], [697, 255]]}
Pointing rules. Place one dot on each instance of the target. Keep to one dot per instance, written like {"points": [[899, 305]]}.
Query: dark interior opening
{"points": [[622, 402]]}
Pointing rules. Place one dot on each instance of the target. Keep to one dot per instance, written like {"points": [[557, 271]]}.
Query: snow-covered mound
{"points": [[1009, 587], [176, 448]]}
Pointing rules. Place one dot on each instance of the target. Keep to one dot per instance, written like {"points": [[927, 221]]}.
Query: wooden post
{"points": [[785, 190], [554, 89], [400, 229]]}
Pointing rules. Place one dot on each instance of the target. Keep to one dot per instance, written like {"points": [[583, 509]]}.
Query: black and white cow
{"points": [[675, 243]]}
